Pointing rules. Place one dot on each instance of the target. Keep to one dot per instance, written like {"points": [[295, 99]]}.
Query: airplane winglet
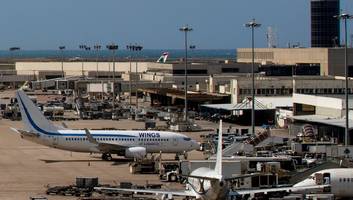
{"points": [[90, 137]]}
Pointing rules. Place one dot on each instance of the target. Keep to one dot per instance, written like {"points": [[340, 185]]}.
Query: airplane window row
{"points": [[153, 139], [100, 139], [118, 139], [76, 139], [346, 180]]}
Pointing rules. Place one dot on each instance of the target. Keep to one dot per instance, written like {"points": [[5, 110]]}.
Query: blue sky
{"points": [[217, 24]]}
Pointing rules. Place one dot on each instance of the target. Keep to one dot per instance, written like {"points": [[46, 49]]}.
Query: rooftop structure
{"points": [[330, 60], [325, 29], [325, 112], [198, 69]]}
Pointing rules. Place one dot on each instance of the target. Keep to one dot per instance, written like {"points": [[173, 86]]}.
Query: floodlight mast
{"points": [[97, 47], [83, 47], [186, 29], [252, 25], [113, 47], [345, 17], [62, 48]]}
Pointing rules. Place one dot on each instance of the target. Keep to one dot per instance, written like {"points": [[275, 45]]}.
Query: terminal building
{"points": [[329, 61], [326, 113], [276, 93], [198, 73]]}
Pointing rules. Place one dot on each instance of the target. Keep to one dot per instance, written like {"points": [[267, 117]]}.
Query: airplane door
{"points": [[175, 141], [327, 181], [327, 178]]}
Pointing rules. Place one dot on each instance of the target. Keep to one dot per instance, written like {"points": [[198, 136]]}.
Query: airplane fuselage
{"points": [[340, 180], [131, 144], [153, 141], [207, 189]]}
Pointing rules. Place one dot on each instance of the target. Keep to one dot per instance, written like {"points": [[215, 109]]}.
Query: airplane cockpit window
{"points": [[187, 138]]}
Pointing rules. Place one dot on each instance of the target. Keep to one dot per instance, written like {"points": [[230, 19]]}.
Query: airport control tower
{"points": [[325, 29]]}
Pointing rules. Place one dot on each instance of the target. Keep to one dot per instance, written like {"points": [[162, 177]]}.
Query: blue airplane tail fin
{"points": [[32, 117]]}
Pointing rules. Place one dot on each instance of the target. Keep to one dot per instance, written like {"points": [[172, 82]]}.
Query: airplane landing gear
{"points": [[107, 157], [184, 154], [176, 157]]}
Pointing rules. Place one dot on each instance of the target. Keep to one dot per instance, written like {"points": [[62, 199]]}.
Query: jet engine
{"points": [[135, 152]]}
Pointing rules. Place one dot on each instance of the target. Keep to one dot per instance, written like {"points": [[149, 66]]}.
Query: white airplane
{"points": [[131, 144], [209, 184], [339, 179]]}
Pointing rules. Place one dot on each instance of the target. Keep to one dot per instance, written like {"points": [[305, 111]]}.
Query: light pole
{"points": [[345, 17], [186, 29], [62, 48], [134, 48], [113, 47], [84, 48], [97, 47], [252, 24], [137, 49], [129, 47]]}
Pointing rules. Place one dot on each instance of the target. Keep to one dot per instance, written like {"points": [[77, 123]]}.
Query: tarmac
{"points": [[26, 168]]}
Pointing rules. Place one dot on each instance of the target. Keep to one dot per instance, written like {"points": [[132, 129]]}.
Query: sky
{"points": [[217, 24]]}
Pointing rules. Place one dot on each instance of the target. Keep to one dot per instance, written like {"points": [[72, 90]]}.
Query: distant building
{"points": [[198, 73], [326, 113], [47, 70], [329, 61], [325, 29], [239, 87]]}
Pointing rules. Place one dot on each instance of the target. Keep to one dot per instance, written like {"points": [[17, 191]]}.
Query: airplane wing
{"points": [[211, 178], [241, 176], [217, 178], [185, 193], [102, 146], [280, 189], [24, 133]]}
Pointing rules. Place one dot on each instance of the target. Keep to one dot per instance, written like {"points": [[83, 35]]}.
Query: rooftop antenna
{"points": [[271, 37]]}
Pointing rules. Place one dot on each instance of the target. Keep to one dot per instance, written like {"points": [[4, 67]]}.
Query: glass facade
{"points": [[325, 29]]}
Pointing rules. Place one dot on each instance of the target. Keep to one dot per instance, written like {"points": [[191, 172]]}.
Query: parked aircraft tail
{"points": [[163, 58], [32, 117]]}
